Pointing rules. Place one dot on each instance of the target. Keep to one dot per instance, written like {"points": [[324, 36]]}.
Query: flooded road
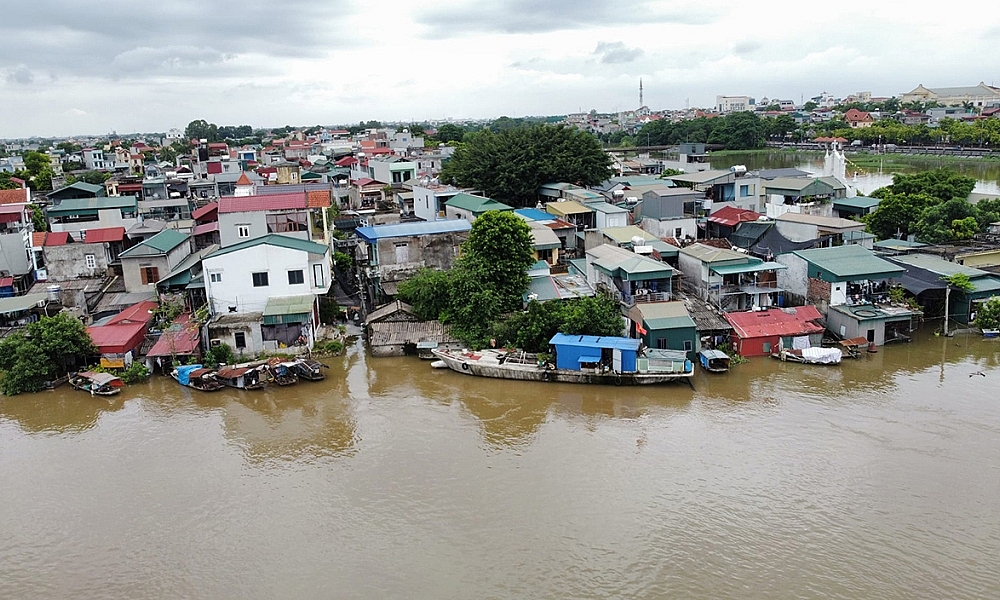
{"points": [[879, 478]]}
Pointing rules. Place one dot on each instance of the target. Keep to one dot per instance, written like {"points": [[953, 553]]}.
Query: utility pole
{"points": [[947, 296]]}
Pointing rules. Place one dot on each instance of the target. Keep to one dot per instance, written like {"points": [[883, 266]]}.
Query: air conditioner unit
{"points": [[215, 342]]}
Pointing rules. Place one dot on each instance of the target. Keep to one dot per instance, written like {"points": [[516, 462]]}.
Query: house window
{"points": [[661, 343], [241, 340], [766, 347], [402, 253], [149, 274], [215, 277], [243, 231], [287, 222], [318, 279], [744, 191], [678, 232], [296, 277], [91, 261], [688, 346], [260, 279]]}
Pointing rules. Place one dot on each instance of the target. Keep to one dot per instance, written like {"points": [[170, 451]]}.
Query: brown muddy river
{"points": [[879, 478]]}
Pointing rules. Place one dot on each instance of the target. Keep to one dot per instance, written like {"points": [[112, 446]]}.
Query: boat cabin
{"points": [[578, 352]]}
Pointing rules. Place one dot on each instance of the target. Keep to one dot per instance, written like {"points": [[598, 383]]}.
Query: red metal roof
{"points": [[732, 215], [57, 238], [176, 342], [107, 234], [776, 322], [204, 210], [364, 181], [129, 187], [231, 204], [346, 161], [140, 312], [205, 228], [6, 282]]}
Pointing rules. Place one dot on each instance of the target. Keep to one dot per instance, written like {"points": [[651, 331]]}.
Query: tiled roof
{"points": [[732, 215], [318, 199], [38, 239], [232, 204], [106, 234], [14, 196], [243, 180], [364, 181]]}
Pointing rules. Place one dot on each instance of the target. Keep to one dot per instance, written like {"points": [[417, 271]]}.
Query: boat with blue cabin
{"points": [[714, 361], [576, 359]]}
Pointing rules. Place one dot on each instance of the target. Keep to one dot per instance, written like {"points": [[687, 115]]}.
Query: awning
{"points": [[288, 309], [589, 359], [747, 268]]}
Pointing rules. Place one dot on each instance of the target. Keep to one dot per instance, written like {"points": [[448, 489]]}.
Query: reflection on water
{"points": [[877, 478], [869, 178]]}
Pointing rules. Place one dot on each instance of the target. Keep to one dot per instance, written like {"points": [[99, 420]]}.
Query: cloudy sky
{"points": [[70, 67]]}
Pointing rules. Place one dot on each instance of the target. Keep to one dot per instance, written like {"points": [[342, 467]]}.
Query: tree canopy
{"points": [[532, 329], [736, 131], [511, 164], [42, 352], [932, 205], [988, 316]]}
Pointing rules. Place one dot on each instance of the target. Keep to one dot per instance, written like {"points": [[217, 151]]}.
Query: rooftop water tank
{"points": [[53, 292]]}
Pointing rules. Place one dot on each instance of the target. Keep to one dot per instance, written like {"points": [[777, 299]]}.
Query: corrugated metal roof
{"points": [[74, 205], [624, 235], [475, 204], [533, 214], [161, 243], [204, 210], [569, 207], [754, 266], [106, 234], [378, 232], [850, 261], [710, 254], [783, 322], [19, 303], [289, 305], [732, 215], [942, 267], [274, 239], [591, 341], [823, 222], [858, 202]]}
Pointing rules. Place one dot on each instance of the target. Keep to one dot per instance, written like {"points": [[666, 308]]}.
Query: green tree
{"points": [[38, 220], [532, 328], [810, 106], [201, 129], [43, 351], [450, 132], [988, 315], [428, 292], [897, 214], [947, 222], [221, 354], [512, 164]]}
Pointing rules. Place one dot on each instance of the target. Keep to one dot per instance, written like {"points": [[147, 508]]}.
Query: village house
{"points": [[273, 282], [470, 207], [635, 239], [429, 200], [802, 195], [79, 214], [856, 207], [837, 275], [582, 216], [761, 333], [248, 217], [923, 278], [723, 222], [145, 263], [73, 191], [15, 237], [63, 257], [389, 254], [670, 213], [665, 326], [628, 276], [730, 280], [830, 231], [732, 187], [394, 330], [858, 119], [120, 338]]}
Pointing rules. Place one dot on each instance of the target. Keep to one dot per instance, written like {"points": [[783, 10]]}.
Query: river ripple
{"points": [[876, 479]]}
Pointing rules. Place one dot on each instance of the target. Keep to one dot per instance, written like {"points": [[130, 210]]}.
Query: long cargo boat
{"points": [[577, 359]]}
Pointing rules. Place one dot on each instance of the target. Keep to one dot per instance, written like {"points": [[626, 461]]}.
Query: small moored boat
{"points": [[243, 377], [197, 377], [98, 384], [281, 373], [991, 333], [309, 369], [812, 356], [714, 361]]}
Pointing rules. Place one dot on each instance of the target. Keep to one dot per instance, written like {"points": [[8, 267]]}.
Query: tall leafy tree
{"points": [[43, 351], [510, 165]]}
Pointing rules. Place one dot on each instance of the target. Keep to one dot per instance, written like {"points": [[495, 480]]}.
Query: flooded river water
{"points": [[879, 478]]}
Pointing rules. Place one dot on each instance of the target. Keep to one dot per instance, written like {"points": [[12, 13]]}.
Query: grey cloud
{"points": [[746, 47], [20, 74], [536, 16], [614, 53], [142, 39]]}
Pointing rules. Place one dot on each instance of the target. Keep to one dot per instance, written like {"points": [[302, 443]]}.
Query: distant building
{"points": [[728, 104], [977, 95]]}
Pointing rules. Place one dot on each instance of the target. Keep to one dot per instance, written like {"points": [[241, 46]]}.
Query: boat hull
{"points": [[534, 373]]}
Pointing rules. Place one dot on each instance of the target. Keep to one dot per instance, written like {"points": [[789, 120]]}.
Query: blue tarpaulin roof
{"points": [[184, 373]]}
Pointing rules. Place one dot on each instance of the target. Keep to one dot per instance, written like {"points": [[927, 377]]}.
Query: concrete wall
{"points": [[236, 268], [133, 279], [847, 327], [227, 333], [13, 254], [452, 212], [794, 280], [437, 251], [70, 261], [425, 204], [667, 227], [611, 219], [111, 217], [257, 220]]}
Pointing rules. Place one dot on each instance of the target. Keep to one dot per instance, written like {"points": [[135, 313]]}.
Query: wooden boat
{"points": [[281, 373], [197, 377], [812, 356], [714, 361], [656, 366], [852, 348], [243, 376], [98, 384], [309, 369]]}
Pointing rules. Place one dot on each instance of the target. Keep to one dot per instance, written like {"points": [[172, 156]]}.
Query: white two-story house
{"points": [[264, 292]]}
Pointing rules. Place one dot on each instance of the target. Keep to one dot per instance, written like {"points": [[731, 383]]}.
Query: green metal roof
{"points": [[665, 315], [288, 309], [628, 265], [91, 205], [939, 266], [711, 254], [161, 243], [754, 266], [475, 204], [801, 186], [858, 202], [274, 239], [894, 244], [986, 284], [847, 263], [665, 249]]}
